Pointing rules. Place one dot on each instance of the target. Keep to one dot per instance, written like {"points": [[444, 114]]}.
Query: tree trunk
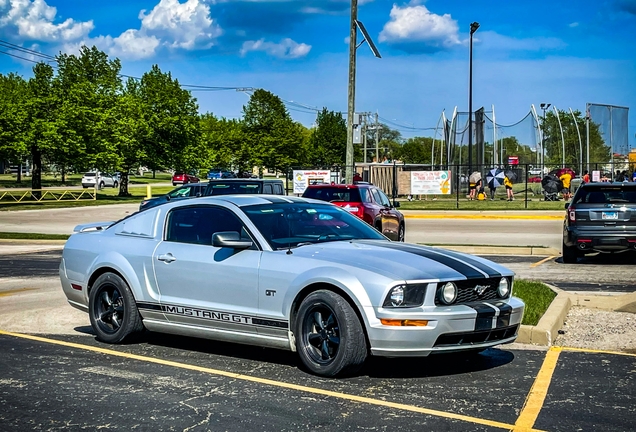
{"points": [[36, 172], [63, 175], [153, 174], [19, 173], [123, 183]]}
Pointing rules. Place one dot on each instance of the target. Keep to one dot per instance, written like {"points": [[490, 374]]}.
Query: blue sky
{"points": [[562, 52]]}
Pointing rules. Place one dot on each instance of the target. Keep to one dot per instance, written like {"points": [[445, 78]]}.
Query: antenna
{"points": [[367, 39]]}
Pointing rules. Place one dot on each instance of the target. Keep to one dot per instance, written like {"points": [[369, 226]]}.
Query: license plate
{"points": [[610, 215]]}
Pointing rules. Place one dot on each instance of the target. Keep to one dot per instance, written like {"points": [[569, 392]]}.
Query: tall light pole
{"points": [[544, 107], [473, 28], [351, 103]]}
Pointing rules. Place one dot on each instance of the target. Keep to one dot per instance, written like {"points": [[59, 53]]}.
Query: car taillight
{"points": [[572, 214], [355, 208]]}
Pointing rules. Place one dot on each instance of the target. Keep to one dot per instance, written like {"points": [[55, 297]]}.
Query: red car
{"points": [[184, 178], [366, 201]]}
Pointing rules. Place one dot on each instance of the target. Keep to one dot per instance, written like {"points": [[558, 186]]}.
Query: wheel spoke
{"points": [[106, 316], [314, 339], [331, 321], [335, 340], [105, 299], [318, 320], [114, 319], [325, 350], [119, 309]]}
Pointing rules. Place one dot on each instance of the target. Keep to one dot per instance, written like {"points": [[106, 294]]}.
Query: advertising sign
{"points": [[303, 178], [596, 176], [430, 182]]}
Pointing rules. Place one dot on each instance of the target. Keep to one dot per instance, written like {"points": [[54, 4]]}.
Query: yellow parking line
{"points": [[537, 264], [301, 388], [538, 392], [15, 291], [594, 351]]}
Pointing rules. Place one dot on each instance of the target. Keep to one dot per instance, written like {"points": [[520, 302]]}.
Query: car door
{"points": [[202, 285], [390, 222]]}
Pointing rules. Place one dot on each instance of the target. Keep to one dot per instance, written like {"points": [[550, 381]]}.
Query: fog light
{"points": [[449, 293]]}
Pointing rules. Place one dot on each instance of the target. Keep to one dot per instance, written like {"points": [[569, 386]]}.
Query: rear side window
{"points": [[230, 188], [278, 189], [333, 194], [606, 195], [267, 189]]}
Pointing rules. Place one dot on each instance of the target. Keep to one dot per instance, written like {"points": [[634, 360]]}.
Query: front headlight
{"points": [[448, 293], [402, 296], [503, 290]]}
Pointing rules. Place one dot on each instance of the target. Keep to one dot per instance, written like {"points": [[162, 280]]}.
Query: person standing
{"points": [[508, 185], [586, 177], [566, 178]]}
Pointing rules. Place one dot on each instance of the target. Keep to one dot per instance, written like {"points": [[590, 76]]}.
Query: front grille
{"points": [[475, 337], [466, 291]]}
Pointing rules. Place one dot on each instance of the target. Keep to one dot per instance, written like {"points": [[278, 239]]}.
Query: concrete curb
{"points": [[502, 250]]}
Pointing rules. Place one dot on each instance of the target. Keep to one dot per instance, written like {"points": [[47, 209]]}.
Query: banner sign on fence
{"points": [[303, 178], [430, 182]]}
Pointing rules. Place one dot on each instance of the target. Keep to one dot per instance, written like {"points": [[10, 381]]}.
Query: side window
{"points": [[376, 196], [384, 199], [365, 195], [181, 192], [278, 189], [267, 188], [196, 225]]}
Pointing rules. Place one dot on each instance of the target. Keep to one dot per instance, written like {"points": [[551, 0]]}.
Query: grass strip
{"points": [[537, 297], [32, 236]]}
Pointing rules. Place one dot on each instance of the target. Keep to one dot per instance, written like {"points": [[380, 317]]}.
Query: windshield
{"points": [[293, 224]]}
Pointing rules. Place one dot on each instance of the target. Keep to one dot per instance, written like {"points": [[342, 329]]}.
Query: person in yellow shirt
{"points": [[508, 185], [566, 179]]}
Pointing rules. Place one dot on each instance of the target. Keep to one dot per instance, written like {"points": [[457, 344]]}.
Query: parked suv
{"points": [[189, 190], [245, 186], [218, 187], [366, 201], [601, 217], [99, 180], [181, 177]]}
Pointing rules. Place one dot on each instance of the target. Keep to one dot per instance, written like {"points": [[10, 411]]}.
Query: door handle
{"points": [[167, 258]]}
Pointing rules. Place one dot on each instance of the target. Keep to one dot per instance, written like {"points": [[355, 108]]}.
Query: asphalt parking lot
{"points": [[54, 382], [69, 380]]}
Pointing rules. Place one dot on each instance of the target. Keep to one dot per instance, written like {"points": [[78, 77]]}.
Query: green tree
{"points": [[13, 118], [222, 143], [328, 140], [172, 116], [417, 150], [41, 132], [87, 87], [275, 140]]}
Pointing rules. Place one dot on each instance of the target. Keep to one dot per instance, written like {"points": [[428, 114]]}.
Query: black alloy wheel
{"points": [[112, 309], [329, 335]]}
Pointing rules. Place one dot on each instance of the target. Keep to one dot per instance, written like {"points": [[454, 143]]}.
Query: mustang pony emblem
{"points": [[479, 289]]}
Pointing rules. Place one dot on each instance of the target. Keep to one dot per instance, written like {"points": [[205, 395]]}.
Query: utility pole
{"points": [[377, 138], [364, 137], [351, 105]]}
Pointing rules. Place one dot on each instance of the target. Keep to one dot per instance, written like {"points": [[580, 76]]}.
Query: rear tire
{"points": [[112, 310], [570, 254], [329, 336]]}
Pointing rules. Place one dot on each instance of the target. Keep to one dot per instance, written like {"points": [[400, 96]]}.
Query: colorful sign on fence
{"points": [[303, 178], [430, 182]]}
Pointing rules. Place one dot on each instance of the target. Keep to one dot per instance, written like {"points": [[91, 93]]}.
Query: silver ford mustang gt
{"points": [[284, 272]]}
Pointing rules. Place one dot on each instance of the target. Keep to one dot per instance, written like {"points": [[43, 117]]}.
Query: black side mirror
{"points": [[167, 197], [231, 239]]}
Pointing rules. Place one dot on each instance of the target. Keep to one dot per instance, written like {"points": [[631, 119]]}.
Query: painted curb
{"points": [[546, 331], [501, 250]]}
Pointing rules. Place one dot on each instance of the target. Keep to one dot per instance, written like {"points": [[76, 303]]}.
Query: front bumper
{"points": [[600, 240], [450, 329]]}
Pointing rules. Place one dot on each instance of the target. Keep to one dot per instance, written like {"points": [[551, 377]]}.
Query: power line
{"points": [[9, 45]]}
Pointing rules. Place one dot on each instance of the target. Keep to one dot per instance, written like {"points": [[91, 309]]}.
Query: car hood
{"points": [[403, 261]]}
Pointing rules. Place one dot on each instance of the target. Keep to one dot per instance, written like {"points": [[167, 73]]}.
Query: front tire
{"points": [[112, 309], [329, 336], [570, 254], [101, 185], [401, 233], [115, 185]]}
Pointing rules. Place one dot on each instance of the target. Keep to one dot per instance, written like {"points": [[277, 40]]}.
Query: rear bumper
{"points": [[600, 240]]}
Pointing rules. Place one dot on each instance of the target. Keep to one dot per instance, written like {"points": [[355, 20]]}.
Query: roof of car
{"points": [[242, 200], [341, 185], [236, 179], [613, 184]]}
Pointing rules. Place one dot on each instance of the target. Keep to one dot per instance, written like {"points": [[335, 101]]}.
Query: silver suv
{"points": [[99, 180]]}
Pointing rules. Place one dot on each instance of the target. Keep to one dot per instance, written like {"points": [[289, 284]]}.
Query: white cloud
{"points": [[415, 23], [494, 41], [287, 48], [34, 19], [574, 24], [180, 25]]}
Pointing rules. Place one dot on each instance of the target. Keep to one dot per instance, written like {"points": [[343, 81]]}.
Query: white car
{"points": [[99, 180]]}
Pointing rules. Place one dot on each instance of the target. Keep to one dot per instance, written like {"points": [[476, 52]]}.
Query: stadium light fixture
{"points": [[473, 28]]}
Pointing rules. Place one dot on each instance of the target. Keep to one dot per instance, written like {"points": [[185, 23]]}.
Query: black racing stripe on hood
{"points": [[440, 257], [473, 262]]}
